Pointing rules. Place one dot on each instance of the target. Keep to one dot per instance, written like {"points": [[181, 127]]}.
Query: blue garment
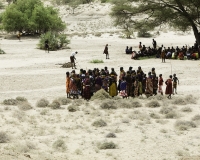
{"points": [[123, 85]]}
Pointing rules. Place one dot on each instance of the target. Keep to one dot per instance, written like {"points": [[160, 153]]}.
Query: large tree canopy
{"points": [[31, 16], [181, 14]]}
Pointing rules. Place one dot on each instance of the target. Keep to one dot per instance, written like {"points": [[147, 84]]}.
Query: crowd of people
{"points": [[184, 52], [131, 83]]}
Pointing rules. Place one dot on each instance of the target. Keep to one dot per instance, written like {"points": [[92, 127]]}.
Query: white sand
{"points": [[31, 73]]}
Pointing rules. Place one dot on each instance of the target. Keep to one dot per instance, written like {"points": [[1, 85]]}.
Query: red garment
{"points": [[169, 86], [160, 81]]}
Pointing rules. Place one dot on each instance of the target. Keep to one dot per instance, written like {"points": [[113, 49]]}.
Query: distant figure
{"points": [[106, 51], [46, 45], [140, 46], [127, 50], [175, 81], [160, 83], [163, 55], [72, 59], [168, 90], [19, 36], [154, 44]]}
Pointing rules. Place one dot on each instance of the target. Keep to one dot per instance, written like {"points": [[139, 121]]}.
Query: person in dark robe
{"points": [[106, 51], [168, 90], [46, 45], [154, 44], [87, 87]]}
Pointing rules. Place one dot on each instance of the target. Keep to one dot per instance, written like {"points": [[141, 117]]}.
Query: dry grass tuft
{"points": [[54, 105], [190, 99], [108, 104], [21, 99], [4, 137], [101, 95], [10, 101], [154, 116], [186, 109], [78, 102], [99, 123], [64, 100], [184, 125], [111, 135], [169, 112], [138, 115], [179, 101], [72, 108], [59, 145], [107, 145], [20, 115], [24, 106], [196, 118], [42, 103], [153, 104]]}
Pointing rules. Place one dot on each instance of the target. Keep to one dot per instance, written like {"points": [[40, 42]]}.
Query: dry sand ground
{"points": [[33, 74]]}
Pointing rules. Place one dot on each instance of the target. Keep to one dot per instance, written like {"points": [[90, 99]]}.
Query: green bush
{"points": [[3, 137], [59, 145], [101, 95], [184, 125], [153, 104], [108, 104], [24, 106], [21, 99], [56, 41], [31, 16], [144, 33]]}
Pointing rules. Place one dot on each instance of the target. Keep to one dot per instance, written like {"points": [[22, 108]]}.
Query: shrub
{"points": [[107, 145], [25, 106], [108, 104], [59, 145], [111, 135], [186, 109], [190, 99], [64, 100], [144, 33], [154, 116], [136, 104], [3, 137], [78, 102], [99, 123], [101, 95], [165, 110], [179, 101], [72, 108], [42, 103], [124, 104], [56, 41], [2, 52], [153, 104], [196, 118], [10, 102], [96, 61], [55, 104], [21, 99], [184, 125], [171, 115], [44, 112]]}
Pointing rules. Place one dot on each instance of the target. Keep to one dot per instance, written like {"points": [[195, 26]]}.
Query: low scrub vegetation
{"points": [[2, 52], [72, 108], [184, 125], [10, 101], [111, 135], [153, 104], [3, 137], [108, 104], [96, 61], [25, 106], [99, 123], [59, 145], [101, 95], [42, 103], [107, 145], [54, 105]]}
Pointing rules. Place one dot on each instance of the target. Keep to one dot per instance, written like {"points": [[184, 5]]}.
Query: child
{"points": [[123, 88], [175, 80]]}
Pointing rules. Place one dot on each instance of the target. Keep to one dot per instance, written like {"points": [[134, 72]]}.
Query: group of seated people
{"points": [[184, 52], [131, 83]]}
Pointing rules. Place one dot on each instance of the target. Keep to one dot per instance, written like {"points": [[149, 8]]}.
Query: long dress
{"points": [[149, 86], [169, 86], [123, 89], [113, 87], [87, 88], [67, 84]]}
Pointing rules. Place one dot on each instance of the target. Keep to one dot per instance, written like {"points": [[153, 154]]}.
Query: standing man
{"points": [[72, 59], [46, 45], [106, 51], [163, 55], [168, 90], [154, 44]]}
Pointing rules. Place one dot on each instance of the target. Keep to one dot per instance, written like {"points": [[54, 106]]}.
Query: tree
{"points": [[32, 17], [181, 14]]}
